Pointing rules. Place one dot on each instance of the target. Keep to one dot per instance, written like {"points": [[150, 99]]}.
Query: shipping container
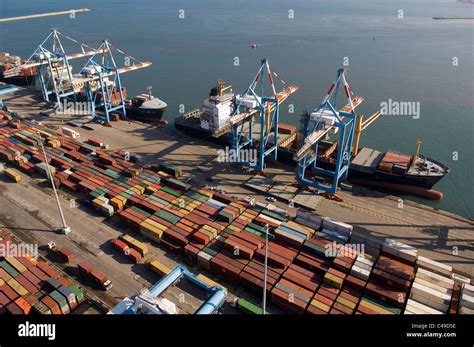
{"points": [[61, 301]]}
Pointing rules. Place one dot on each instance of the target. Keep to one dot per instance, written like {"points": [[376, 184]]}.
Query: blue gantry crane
{"points": [[54, 77], [317, 125], [254, 102], [100, 80], [148, 302]]}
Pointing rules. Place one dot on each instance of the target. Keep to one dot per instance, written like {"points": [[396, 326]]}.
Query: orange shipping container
{"points": [[51, 304], [24, 305]]}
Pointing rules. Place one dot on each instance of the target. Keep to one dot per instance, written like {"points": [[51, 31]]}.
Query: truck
{"points": [[63, 253], [87, 271], [134, 243], [125, 249]]}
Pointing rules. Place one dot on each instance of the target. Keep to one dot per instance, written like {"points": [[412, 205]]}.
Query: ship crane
{"points": [[253, 102], [100, 80], [318, 125], [54, 70]]}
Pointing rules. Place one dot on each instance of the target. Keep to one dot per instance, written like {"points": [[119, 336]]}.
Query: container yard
{"points": [[249, 202], [153, 219]]}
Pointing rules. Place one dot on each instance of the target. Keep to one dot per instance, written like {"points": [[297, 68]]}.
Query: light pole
{"points": [[64, 229], [265, 229]]}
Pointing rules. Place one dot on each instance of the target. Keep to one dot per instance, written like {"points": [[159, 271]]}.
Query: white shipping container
{"points": [[434, 286], [71, 133], [360, 273], [400, 250], [420, 307], [364, 260], [466, 310], [467, 301], [429, 302], [277, 210], [434, 266], [339, 226], [362, 266], [435, 278], [107, 209], [270, 219], [435, 298], [469, 289], [204, 260], [409, 309], [461, 279]]}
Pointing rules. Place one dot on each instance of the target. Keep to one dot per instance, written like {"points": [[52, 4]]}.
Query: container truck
{"points": [[87, 271], [125, 249], [64, 253]]}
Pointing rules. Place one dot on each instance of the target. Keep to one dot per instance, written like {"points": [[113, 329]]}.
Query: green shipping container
{"points": [[168, 216], [274, 215], [53, 283], [249, 308], [210, 251], [255, 226], [171, 191], [139, 210], [61, 300], [8, 268], [315, 249], [382, 304], [229, 231], [157, 199], [78, 293]]}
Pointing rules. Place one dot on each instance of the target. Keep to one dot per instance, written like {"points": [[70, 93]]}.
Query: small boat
{"points": [[254, 45]]}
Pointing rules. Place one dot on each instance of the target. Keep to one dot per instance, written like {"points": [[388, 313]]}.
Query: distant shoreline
{"points": [[466, 1], [462, 18]]}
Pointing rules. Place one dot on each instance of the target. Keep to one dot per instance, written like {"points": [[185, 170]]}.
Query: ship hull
{"points": [[147, 116], [21, 81], [377, 179]]}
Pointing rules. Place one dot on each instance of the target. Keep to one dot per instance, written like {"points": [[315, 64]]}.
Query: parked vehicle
{"points": [[125, 249], [64, 253], [86, 270]]}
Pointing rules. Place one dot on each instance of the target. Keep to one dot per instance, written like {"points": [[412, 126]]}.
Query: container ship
{"points": [[414, 174], [8, 63]]}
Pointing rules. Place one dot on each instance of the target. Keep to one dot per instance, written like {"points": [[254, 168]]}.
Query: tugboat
{"points": [[145, 108]]}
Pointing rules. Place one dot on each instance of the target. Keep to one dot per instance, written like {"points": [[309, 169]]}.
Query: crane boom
{"points": [[320, 134], [79, 82], [16, 70], [281, 97]]}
